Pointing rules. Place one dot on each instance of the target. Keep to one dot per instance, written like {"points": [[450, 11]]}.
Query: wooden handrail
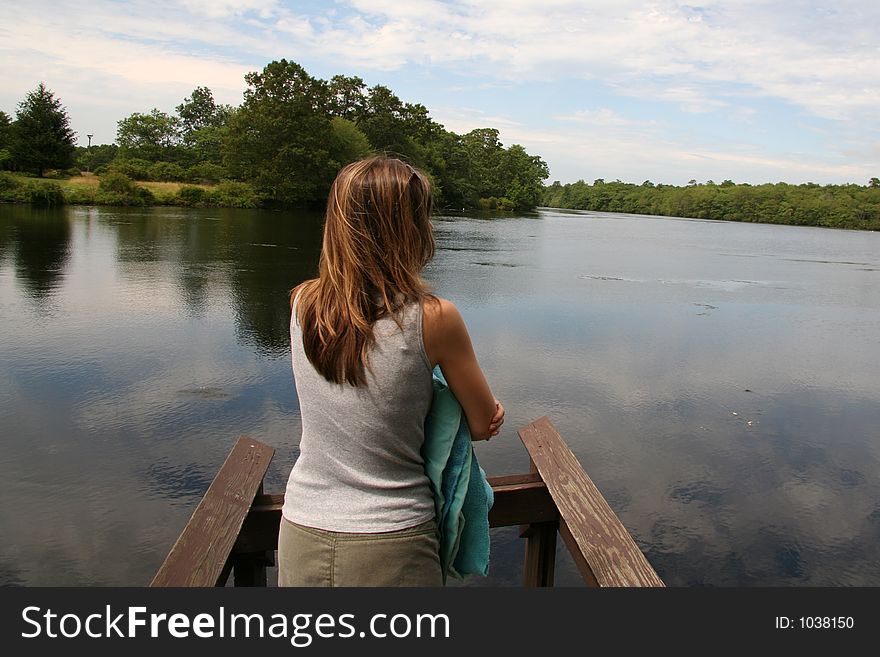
{"points": [[200, 557], [235, 526], [602, 548]]}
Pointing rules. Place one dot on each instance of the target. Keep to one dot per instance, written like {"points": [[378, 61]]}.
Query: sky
{"points": [[747, 90]]}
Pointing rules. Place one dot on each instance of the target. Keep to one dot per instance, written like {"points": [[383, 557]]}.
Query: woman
{"points": [[365, 336]]}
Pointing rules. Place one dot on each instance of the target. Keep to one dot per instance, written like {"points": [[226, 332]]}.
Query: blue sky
{"points": [[667, 91]]}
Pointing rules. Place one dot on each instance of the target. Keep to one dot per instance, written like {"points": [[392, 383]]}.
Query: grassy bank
{"points": [[118, 189]]}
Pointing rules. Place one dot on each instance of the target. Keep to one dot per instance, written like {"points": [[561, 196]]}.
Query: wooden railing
{"points": [[235, 526]]}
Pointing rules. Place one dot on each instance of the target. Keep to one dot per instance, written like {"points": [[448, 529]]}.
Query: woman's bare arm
{"points": [[448, 344]]}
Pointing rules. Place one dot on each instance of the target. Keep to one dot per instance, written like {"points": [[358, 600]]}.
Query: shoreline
{"points": [[88, 190]]}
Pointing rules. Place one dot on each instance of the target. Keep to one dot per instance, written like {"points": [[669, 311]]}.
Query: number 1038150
{"points": [[815, 623]]}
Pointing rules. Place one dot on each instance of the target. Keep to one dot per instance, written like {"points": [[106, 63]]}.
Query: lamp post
{"points": [[89, 151]]}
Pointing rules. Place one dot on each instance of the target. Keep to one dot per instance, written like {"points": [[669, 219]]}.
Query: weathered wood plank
{"points": [[202, 550], [598, 540], [514, 479], [576, 555], [520, 500]]}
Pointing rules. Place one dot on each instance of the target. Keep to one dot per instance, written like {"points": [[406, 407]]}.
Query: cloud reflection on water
{"points": [[738, 446]]}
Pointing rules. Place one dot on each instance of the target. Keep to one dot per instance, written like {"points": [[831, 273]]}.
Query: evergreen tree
{"points": [[5, 141], [42, 138]]}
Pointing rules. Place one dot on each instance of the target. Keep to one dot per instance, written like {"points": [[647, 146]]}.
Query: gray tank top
{"points": [[360, 467]]}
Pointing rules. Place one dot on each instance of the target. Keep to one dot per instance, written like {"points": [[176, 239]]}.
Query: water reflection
{"points": [[730, 425], [253, 257], [40, 246], [715, 380]]}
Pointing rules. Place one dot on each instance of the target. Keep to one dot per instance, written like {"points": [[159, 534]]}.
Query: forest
{"points": [[282, 146], [291, 134], [833, 206]]}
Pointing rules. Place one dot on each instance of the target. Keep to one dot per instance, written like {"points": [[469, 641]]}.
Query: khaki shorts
{"points": [[316, 557]]}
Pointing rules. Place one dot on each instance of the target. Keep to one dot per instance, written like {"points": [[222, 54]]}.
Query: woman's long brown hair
{"points": [[377, 240]]}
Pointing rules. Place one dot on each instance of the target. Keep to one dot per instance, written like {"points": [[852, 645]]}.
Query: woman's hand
{"points": [[497, 419]]}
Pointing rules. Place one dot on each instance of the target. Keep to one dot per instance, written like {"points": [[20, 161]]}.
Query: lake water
{"points": [[719, 382]]}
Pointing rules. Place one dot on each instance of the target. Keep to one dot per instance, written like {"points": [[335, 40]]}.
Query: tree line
{"points": [[286, 141], [810, 204]]}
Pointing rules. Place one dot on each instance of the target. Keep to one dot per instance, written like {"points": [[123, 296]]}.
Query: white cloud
{"points": [[823, 61], [721, 57], [602, 117], [790, 52], [755, 42], [226, 8]]}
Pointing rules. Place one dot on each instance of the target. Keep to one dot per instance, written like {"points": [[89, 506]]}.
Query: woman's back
{"points": [[360, 468], [364, 337]]}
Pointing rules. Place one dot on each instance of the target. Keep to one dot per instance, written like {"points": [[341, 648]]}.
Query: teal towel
{"points": [[462, 496]]}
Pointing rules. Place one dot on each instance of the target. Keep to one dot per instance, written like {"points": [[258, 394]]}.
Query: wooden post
{"points": [[539, 563], [249, 569]]}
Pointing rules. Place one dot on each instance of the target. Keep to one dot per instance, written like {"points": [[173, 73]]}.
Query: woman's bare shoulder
{"points": [[441, 320], [441, 315], [437, 308]]}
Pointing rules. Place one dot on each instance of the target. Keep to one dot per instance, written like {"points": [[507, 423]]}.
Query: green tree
{"points": [[522, 176], [348, 97], [42, 138], [5, 141], [96, 157], [484, 152], [153, 137], [348, 143], [279, 139], [874, 183], [838, 206], [457, 181], [203, 125], [200, 111], [5, 130], [383, 122]]}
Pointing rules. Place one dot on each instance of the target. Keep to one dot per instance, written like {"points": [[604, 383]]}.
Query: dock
{"points": [[234, 529]]}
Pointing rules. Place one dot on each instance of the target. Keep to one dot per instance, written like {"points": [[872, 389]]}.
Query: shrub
{"points": [[11, 188], [206, 172], [8, 182], [134, 168], [494, 203], [46, 195], [192, 196], [117, 183], [229, 194], [166, 172], [118, 189], [80, 194]]}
